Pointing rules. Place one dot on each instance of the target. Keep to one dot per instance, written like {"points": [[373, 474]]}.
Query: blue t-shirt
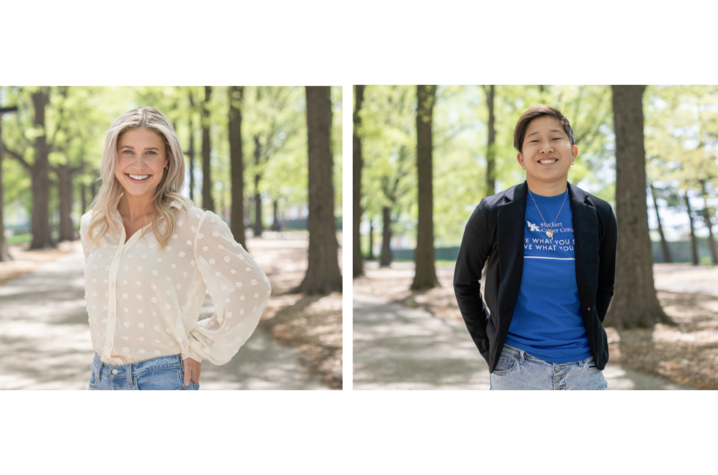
{"points": [[547, 321]]}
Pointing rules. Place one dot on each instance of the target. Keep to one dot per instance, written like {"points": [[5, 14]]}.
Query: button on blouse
{"points": [[143, 301]]}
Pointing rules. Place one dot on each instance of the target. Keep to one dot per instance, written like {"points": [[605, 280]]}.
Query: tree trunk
{"points": [[190, 152], [258, 225], [634, 303], [694, 242], [664, 243], [64, 195], [275, 215], [323, 275], [357, 164], [236, 96], [707, 218], [83, 198], [386, 259], [207, 201], [370, 254], [491, 147], [4, 254], [425, 276], [41, 237]]}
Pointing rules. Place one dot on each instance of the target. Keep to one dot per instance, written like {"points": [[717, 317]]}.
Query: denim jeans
{"points": [[516, 369], [165, 372]]}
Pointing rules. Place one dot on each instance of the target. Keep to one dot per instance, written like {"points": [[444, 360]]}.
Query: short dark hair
{"points": [[535, 112]]}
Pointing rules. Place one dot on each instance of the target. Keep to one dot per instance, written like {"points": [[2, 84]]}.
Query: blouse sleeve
{"points": [[238, 288]]}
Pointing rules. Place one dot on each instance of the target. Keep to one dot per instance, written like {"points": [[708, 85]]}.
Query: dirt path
{"points": [[396, 347], [683, 355], [44, 341]]}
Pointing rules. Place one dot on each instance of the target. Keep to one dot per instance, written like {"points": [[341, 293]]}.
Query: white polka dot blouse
{"points": [[144, 301]]}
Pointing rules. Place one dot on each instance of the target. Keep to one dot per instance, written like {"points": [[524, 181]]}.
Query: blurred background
{"points": [[425, 156], [265, 159]]}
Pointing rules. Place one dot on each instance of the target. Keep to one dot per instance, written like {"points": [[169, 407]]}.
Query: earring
{"points": [[573, 162]]}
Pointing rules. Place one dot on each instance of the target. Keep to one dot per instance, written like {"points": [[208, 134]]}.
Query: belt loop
{"points": [[128, 370], [522, 353], [99, 372]]}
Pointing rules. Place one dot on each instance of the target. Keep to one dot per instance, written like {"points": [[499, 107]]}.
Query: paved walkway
{"points": [[45, 341], [686, 278], [396, 347]]}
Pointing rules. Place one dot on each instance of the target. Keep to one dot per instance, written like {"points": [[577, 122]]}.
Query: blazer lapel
{"points": [[585, 231], [510, 224]]}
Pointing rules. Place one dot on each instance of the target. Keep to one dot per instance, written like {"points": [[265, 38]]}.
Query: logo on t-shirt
{"points": [[533, 227]]}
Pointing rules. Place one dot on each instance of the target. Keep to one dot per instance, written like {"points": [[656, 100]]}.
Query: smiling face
{"points": [[546, 153], [142, 157]]}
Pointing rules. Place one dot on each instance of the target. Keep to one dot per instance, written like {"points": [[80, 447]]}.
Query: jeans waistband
{"points": [[521, 355], [135, 369]]}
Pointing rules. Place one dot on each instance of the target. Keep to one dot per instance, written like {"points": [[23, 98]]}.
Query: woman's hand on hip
{"points": [[192, 369]]}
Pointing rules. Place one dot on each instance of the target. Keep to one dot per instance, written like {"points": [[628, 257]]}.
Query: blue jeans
{"points": [[165, 372], [516, 369]]}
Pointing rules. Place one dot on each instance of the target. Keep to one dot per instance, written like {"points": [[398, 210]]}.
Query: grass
{"points": [[19, 238], [438, 262], [27, 237]]}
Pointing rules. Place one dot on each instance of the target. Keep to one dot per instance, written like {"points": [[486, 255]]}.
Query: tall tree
{"points": [[207, 201], [490, 147], [64, 172], [275, 216], [635, 303], [274, 120], [236, 94], [707, 213], [323, 275], [357, 164], [391, 195], [694, 241], [39, 172], [41, 237], [83, 198], [370, 254], [258, 226], [664, 243], [191, 152], [386, 257], [425, 274], [4, 254]]}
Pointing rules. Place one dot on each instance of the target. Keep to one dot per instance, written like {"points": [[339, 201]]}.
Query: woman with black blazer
{"points": [[550, 248]]}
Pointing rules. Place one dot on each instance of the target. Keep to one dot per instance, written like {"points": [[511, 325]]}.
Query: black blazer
{"points": [[494, 233]]}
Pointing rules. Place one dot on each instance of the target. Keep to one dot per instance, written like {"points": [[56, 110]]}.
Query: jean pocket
{"points": [[93, 377], [192, 386], [505, 365]]}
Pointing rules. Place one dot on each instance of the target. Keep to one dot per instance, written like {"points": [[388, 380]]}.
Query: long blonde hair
{"points": [[168, 191]]}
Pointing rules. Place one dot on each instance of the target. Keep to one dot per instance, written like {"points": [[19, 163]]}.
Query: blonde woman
{"points": [[150, 257]]}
